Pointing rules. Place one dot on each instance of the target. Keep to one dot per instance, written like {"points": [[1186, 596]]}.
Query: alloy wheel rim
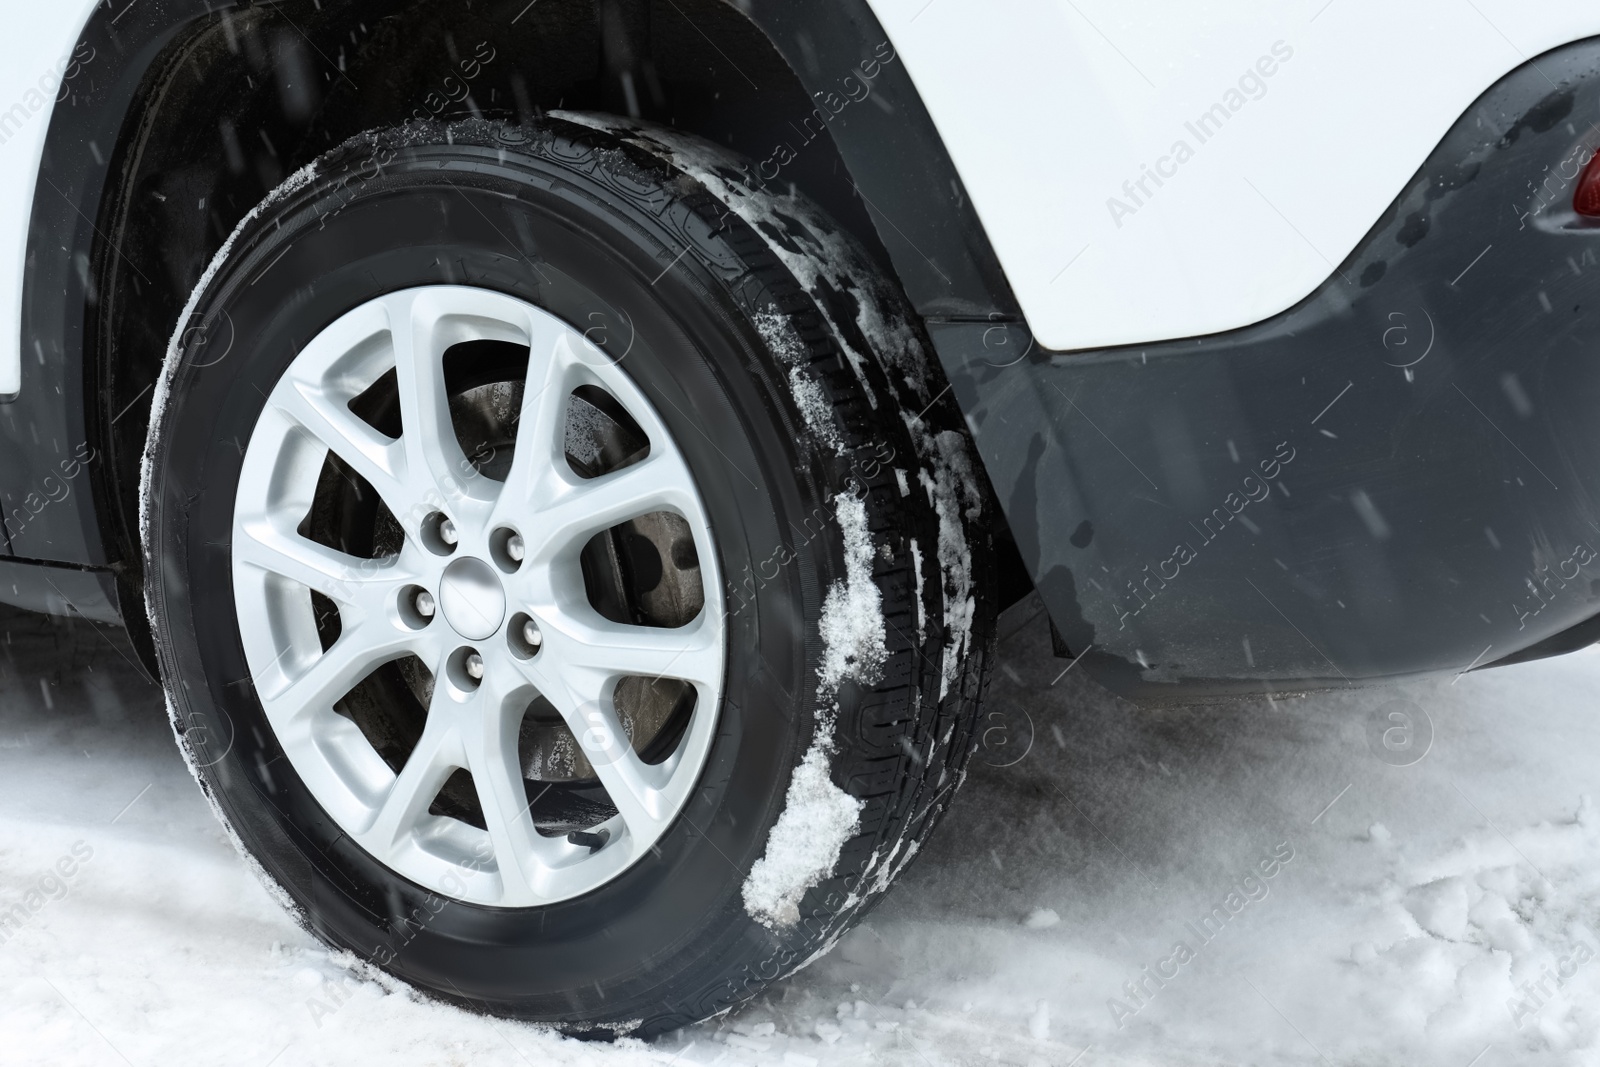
{"points": [[487, 591]]}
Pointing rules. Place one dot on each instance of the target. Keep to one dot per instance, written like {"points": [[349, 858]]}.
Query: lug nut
{"points": [[531, 634], [515, 549], [474, 665], [447, 532], [424, 603]]}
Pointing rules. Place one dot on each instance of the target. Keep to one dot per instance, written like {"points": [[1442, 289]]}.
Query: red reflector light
{"points": [[1587, 200]]}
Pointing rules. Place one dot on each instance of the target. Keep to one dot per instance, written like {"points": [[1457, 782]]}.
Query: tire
{"points": [[837, 500]]}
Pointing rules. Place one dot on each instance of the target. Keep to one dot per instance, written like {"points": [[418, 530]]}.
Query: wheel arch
{"points": [[191, 116]]}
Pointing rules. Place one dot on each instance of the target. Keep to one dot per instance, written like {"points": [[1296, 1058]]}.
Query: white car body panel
{"points": [[35, 54], [1048, 106]]}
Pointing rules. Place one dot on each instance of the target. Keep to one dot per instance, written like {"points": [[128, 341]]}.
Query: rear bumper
{"points": [[1399, 476]]}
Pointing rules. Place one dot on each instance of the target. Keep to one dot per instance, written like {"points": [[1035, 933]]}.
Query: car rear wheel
{"points": [[569, 608]]}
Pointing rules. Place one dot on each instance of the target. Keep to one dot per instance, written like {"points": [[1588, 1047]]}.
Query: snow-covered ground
{"points": [[1434, 910]]}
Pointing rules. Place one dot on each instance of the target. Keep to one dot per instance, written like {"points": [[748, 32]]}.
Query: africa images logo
{"points": [[1252, 85], [1253, 888]]}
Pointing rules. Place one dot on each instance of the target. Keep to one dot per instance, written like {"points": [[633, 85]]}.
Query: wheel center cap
{"points": [[472, 598]]}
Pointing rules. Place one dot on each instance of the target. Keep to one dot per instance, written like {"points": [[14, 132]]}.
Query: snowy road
{"points": [[1075, 906]]}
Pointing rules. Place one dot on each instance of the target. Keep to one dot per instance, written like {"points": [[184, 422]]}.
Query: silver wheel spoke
{"points": [[336, 575], [316, 391], [635, 788], [358, 651], [336, 427], [490, 740], [433, 457], [581, 508], [602, 650], [539, 467], [577, 673], [437, 755], [584, 701]]}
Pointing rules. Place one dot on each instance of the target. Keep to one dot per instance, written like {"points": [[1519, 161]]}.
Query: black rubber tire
{"points": [[585, 222]]}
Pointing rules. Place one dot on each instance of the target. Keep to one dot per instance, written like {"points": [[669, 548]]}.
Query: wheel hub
{"points": [[472, 598]]}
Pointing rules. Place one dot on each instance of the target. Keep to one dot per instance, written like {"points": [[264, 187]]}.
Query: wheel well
{"points": [[243, 97]]}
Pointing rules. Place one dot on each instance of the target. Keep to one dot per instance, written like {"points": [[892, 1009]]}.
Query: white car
{"points": [[566, 458]]}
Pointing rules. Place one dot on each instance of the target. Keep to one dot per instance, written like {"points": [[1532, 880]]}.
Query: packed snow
{"points": [[854, 633], [818, 818], [809, 396], [815, 408], [1435, 910]]}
